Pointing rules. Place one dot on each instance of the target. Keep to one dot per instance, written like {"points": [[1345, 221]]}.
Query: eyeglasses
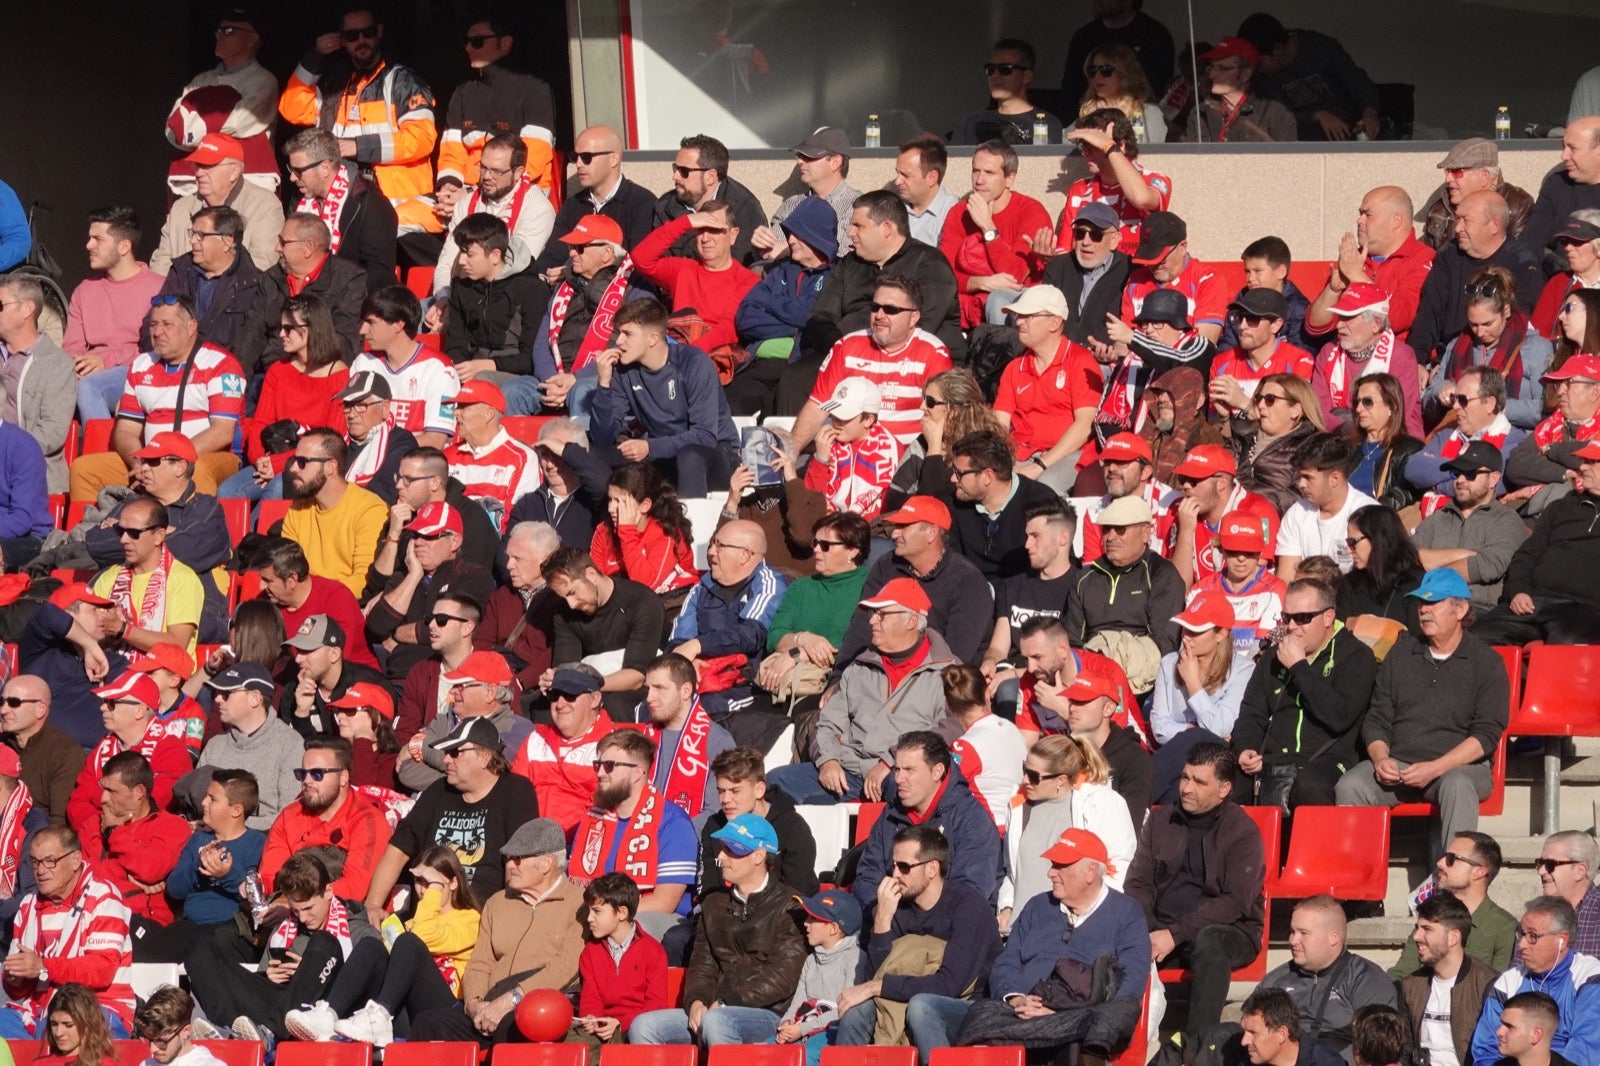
{"points": [[495, 172], [300, 462], [1569, 307], [201, 234], [131, 532], [316, 773], [1100, 70], [229, 31], [1451, 858], [1267, 399], [826, 545], [405, 479], [586, 247], [589, 157], [1005, 69], [478, 40], [903, 868], [1086, 232], [442, 620], [47, 862], [1533, 938], [1462, 400], [1351, 542], [429, 538], [361, 405], [1301, 618], [888, 309], [164, 1038], [298, 240], [684, 172], [165, 300], [1548, 866], [299, 172], [930, 403], [609, 766], [722, 545], [17, 701], [462, 686], [1033, 777], [360, 33]]}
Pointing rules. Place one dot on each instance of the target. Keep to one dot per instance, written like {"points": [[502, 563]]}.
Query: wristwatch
{"points": [[990, 234]]}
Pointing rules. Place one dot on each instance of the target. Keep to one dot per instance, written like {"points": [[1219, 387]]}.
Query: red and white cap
{"points": [[132, 686], [1206, 459], [164, 444], [1360, 298], [904, 592], [1242, 532], [1125, 447], [1091, 684], [1576, 366], [214, 148], [483, 392], [436, 518], [1207, 610], [1075, 845], [921, 509]]}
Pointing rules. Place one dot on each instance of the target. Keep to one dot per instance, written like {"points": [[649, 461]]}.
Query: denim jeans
{"points": [[931, 1021], [242, 486], [721, 1025], [99, 392], [799, 781]]}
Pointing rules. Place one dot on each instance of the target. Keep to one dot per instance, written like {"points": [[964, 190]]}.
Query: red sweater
{"points": [[713, 294], [333, 599], [147, 850], [626, 989], [649, 556], [1010, 253], [287, 392], [168, 758]]}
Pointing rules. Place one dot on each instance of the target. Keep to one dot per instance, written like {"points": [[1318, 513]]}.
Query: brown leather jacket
{"points": [[1439, 218], [1466, 1001], [747, 954]]}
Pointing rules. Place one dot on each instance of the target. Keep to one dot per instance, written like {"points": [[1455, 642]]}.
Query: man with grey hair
{"points": [[216, 267], [1549, 964], [520, 617], [1482, 239], [1567, 865], [481, 687], [1438, 712], [1470, 166], [573, 496], [1480, 398], [306, 264], [363, 222], [219, 181], [1364, 344], [38, 385]]}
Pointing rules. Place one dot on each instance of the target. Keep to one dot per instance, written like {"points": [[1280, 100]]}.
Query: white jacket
{"points": [[1097, 808]]}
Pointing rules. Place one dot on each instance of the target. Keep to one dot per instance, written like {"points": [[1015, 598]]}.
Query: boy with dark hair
{"points": [[214, 863], [164, 1022], [623, 969], [421, 381], [1266, 266], [493, 312]]}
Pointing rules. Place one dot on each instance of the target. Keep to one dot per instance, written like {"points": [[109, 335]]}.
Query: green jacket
{"points": [[1494, 934], [820, 605]]}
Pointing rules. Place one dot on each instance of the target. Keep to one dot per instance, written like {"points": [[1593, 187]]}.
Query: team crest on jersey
{"points": [[672, 390], [1061, 379], [232, 386]]}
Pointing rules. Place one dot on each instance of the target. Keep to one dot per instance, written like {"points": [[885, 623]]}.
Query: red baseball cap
{"points": [[593, 228], [1205, 460], [489, 667], [1208, 610], [1576, 366], [476, 391], [435, 518], [165, 656], [10, 761], [923, 509], [1090, 684], [904, 592], [1360, 298], [1125, 447], [164, 444], [1075, 845], [214, 148], [132, 686], [367, 694], [1589, 451], [1233, 48], [75, 592], [1242, 532]]}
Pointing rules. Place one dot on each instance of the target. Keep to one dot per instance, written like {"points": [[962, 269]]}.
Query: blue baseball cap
{"points": [[1442, 584], [834, 905], [746, 833]]}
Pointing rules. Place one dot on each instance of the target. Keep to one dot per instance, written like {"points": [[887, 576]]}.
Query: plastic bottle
{"points": [[874, 132], [1138, 126], [1502, 124], [1041, 128]]}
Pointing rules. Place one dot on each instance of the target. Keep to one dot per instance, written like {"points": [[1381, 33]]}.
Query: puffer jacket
{"points": [[1439, 218], [747, 953], [862, 721], [1270, 472]]}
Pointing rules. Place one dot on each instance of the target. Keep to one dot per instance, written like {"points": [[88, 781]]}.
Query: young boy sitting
{"points": [[1266, 266], [214, 863], [1247, 580], [856, 453], [493, 312], [164, 1022], [833, 918], [623, 969]]}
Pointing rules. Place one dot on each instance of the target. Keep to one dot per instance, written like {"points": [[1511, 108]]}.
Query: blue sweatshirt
{"points": [[678, 406], [213, 900], [964, 921], [1041, 936], [977, 856], [16, 241], [24, 495], [44, 651]]}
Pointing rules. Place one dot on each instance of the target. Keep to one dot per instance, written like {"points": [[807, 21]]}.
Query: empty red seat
{"points": [[73, 445], [648, 1055], [867, 816], [1270, 821], [525, 427], [269, 513], [502, 1055], [1512, 658], [97, 435], [236, 513], [871, 1056], [419, 279], [757, 1055], [1559, 698], [131, 1052], [238, 1052], [675, 975], [976, 1056], [1340, 851], [298, 1053]]}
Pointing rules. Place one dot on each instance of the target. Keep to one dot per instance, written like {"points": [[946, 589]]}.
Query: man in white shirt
{"points": [[1444, 995], [1318, 523]]}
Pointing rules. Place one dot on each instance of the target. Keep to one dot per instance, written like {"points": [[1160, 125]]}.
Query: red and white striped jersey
{"points": [[496, 475], [156, 394], [423, 391], [83, 939], [899, 375]]}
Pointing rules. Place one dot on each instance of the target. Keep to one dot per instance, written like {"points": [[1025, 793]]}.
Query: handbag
{"points": [[1276, 779]]}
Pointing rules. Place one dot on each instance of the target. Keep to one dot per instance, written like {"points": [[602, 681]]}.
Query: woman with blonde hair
{"points": [[1287, 412], [1066, 784], [1199, 688], [953, 405], [1116, 79]]}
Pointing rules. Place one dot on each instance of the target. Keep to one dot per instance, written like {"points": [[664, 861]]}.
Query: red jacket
{"points": [[713, 294], [626, 989], [358, 827], [146, 850], [167, 756], [1009, 253], [649, 556], [287, 392], [1401, 276]]}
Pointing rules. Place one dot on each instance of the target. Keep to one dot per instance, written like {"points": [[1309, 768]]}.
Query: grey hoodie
{"points": [[826, 974], [272, 753]]}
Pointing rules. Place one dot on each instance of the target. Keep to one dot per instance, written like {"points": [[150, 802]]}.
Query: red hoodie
{"points": [[649, 556]]}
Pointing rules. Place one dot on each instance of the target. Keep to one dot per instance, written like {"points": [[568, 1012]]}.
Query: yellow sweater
{"points": [[448, 934], [340, 542]]}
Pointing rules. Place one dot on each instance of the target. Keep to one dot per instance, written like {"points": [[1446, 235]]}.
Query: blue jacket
{"points": [[1294, 327], [1574, 983], [24, 494], [45, 652], [1426, 469], [16, 240], [781, 303], [730, 626], [977, 857], [1041, 937], [963, 920], [213, 900], [679, 406]]}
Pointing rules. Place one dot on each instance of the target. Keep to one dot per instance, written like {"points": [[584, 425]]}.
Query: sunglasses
{"points": [[1367, 401], [17, 701], [1033, 777], [1351, 542], [1462, 401], [290, 327], [1252, 320], [360, 33], [1100, 70], [589, 157], [441, 620], [300, 172], [930, 403], [609, 766], [903, 868], [165, 300], [347, 712], [316, 773], [1451, 858], [827, 545], [300, 462], [684, 172], [1548, 866], [1301, 618], [478, 40], [132, 532], [888, 309], [229, 31], [1484, 290], [1084, 232], [1005, 69], [1267, 399]]}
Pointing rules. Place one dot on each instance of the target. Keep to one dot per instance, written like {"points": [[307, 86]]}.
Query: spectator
{"points": [[1483, 553], [823, 165], [1116, 79], [306, 265], [1378, 428], [1272, 1032], [1579, 242], [740, 778], [178, 715], [1110, 149], [72, 929], [949, 920], [1289, 414], [1318, 522], [602, 189], [1260, 320], [1384, 570], [1236, 111], [1483, 240], [76, 1028], [1470, 166], [482, 686], [989, 239], [1066, 787], [217, 275], [220, 853], [494, 470], [1383, 250], [929, 793], [647, 538], [1163, 255], [833, 921], [218, 163], [1551, 965], [1090, 272], [1567, 865], [1245, 580], [107, 309], [373, 446], [337, 524], [1499, 338], [25, 511], [1480, 400], [953, 405], [474, 810], [1198, 688], [609, 1000], [1207, 478], [495, 97], [1366, 345], [1198, 875], [711, 283], [158, 598], [1177, 422], [856, 454], [687, 740], [492, 306], [884, 691], [410, 601], [508, 193], [919, 173], [816, 610], [1051, 424], [772, 314], [520, 614], [1164, 341], [421, 380], [164, 1021], [1127, 467], [726, 615], [1572, 187], [1267, 262], [700, 177], [1465, 871], [1120, 22], [1526, 1034], [254, 739], [138, 844], [65, 645], [23, 819], [588, 292], [567, 500], [748, 950], [1549, 453], [287, 584], [422, 479], [617, 622], [361, 220], [330, 819], [1040, 592], [37, 377], [991, 502], [48, 759], [1077, 921], [1010, 115], [1412, 751], [994, 780], [558, 758], [206, 409], [1546, 595], [520, 947], [1332, 97]]}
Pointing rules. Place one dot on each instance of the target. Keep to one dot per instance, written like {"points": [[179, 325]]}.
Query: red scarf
{"points": [[152, 613], [338, 925], [686, 781], [856, 475], [12, 834], [109, 745], [517, 196], [599, 334], [639, 854], [330, 207], [933, 804], [1377, 363], [1122, 407], [1229, 117], [1553, 430], [1506, 357]]}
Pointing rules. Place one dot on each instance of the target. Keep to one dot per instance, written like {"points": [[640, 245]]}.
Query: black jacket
{"points": [[1297, 711], [496, 320], [383, 620], [797, 861], [632, 208], [367, 232], [1235, 871], [1089, 316], [747, 953], [235, 292], [1141, 598], [1559, 196], [340, 284], [1442, 310], [842, 305], [1557, 561], [747, 215]]}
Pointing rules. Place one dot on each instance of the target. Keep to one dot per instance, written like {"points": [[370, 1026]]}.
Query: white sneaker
{"points": [[205, 1030], [315, 1022], [371, 1024]]}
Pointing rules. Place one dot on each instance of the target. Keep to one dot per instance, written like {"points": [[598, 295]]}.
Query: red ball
{"points": [[544, 1015]]}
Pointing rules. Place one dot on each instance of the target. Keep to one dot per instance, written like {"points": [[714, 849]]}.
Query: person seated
{"points": [[41, 381], [1439, 946], [520, 614], [1116, 79], [288, 584], [306, 263], [1041, 592], [991, 501], [1048, 415], [856, 456], [602, 189], [816, 609], [1010, 116], [740, 778], [1078, 920], [748, 949], [1110, 147], [1545, 596], [1378, 429], [1267, 261], [1551, 966], [434, 570], [360, 218], [951, 922], [421, 380], [1236, 111], [1160, 341], [1126, 468], [1372, 599], [218, 268], [823, 167], [1260, 322], [609, 1000], [25, 511], [422, 478], [1481, 404], [615, 623], [71, 930], [1548, 455], [574, 493], [1198, 874], [106, 312], [1289, 412], [1525, 1032], [989, 238], [1318, 523], [507, 193], [1439, 707], [1163, 261], [1467, 868], [700, 176], [645, 536], [138, 844], [833, 923], [481, 687], [990, 750], [1565, 862], [1484, 554], [1498, 337], [216, 859], [1272, 1032], [329, 818], [164, 1020], [48, 759], [373, 447], [1366, 345], [1208, 479], [889, 689], [686, 738], [206, 409], [707, 286], [1254, 593], [1120, 22], [559, 758], [338, 525], [660, 400], [128, 707], [1198, 688], [1383, 250], [218, 161], [1089, 270], [23, 820], [1470, 166], [492, 304], [65, 645], [178, 714], [254, 739], [1331, 96], [929, 791], [494, 470], [1579, 242]]}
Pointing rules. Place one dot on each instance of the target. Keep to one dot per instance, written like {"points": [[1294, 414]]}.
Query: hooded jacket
{"points": [[797, 862], [780, 304], [977, 857], [496, 318]]}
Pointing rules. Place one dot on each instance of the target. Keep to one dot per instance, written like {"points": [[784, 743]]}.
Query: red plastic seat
{"points": [[871, 1056], [1270, 821], [236, 513], [1559, 700], [648, 1055], [419, 279], [131, 1052], [675, 976], [1340, 851], [558, 177], [73, 446], [58, 509], [525, 427], [238, 1052], [1495, 804], [756, 1055], [246, 586], [1138, 1049], [97, 435], [976, 1056], [297, 1053], [271, 512], [67, 577], [75, 513], [1512, 657], [866, 817], [463, 1053]]}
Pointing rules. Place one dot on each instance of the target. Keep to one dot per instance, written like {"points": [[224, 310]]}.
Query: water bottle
{"points": [[1041, 128], [1138, 126], [254, 891], [1502, 123], [874, 132]]}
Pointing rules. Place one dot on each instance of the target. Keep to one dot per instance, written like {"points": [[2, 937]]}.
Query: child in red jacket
{"points": [[623, 969]]}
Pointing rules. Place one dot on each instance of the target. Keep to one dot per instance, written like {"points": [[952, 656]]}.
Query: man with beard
{"points": [[288, 584], [336, 523], [699, 176], [687, 740], [359, 217], [339, 825], [1473, 533], [433, 569], [1469, 865], [107, 310], [1127, 467], [1207, 478], [611, 622], [507, 192]]}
